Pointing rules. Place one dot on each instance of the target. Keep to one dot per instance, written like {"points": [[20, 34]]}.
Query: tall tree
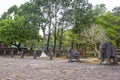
{"points": [[109, 21], [63, 24], [21, 23], [93, 36], [116, 11], [80, 15]]}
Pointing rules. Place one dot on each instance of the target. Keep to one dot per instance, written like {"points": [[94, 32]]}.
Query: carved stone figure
{"points": [[73, 54], [12, 53], [34, 54], [22, 53], [107, 51], [51, 55]]}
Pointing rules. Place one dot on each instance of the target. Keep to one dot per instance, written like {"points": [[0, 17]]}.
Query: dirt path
{"points": [[30, 69]]}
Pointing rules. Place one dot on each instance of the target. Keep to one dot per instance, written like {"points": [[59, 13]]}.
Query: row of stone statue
{"points": [[106, 49], [24, 51]]}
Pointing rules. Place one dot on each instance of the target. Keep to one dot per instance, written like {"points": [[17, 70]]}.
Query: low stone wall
{"points": [[118, 51]]}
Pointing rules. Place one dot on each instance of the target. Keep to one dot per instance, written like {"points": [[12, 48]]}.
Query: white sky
{"points": [[6, 4], [110, 4]]}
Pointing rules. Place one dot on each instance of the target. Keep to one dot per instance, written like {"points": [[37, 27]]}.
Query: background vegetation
{"points": [[59, 24]]}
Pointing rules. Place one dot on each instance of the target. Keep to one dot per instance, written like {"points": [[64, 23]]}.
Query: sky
{"points": [[110, 4], [6, 4]]}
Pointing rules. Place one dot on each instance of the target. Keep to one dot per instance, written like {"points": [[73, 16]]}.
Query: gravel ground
{"points": [[44, 69]]}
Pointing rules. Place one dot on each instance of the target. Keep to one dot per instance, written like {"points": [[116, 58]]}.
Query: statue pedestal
{"points": [[43, 54], [105, 63]]}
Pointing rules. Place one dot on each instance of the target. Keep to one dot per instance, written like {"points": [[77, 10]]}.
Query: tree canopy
{"points": [[56, 19]]}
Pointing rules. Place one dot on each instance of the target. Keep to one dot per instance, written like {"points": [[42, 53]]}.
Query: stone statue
{"points": [[107, 51], [51, 55], [73, 54], [12, 53], [22, 53], [34, 54]]}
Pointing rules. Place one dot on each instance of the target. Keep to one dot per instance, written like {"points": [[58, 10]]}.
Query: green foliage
{"points": [[81, 15], [69, 37], [33, 44], [12, 9], [14, 30], [19, 25], [111, 24], [61, 21]]}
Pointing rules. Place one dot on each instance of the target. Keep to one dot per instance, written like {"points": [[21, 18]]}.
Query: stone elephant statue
{"points": [[73, 54], [107, 51]]}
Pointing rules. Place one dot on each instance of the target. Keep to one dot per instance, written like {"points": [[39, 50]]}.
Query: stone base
{"points": [[105, 63], [43, 54]]}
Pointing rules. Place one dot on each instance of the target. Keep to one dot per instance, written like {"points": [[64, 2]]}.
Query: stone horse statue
{"points": [[73, 54], [107, 51]]}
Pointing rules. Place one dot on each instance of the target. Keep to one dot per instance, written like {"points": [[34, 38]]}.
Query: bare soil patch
{"points": [[56, 69]]}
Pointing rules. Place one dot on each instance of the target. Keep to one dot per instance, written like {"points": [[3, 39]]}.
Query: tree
{"points": [[41, 12], [93, 36], [111, 24], [116, 13], [63, 24], [19, 25], [28, 10], [79, 14]]}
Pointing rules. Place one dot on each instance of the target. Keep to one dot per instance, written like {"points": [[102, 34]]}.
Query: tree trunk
{"points": [[49, 34], [55, 30], [61, 37], [48, 41], [84, 51], [43, 44], [72, 44], [98, 52], [55, 38]]}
